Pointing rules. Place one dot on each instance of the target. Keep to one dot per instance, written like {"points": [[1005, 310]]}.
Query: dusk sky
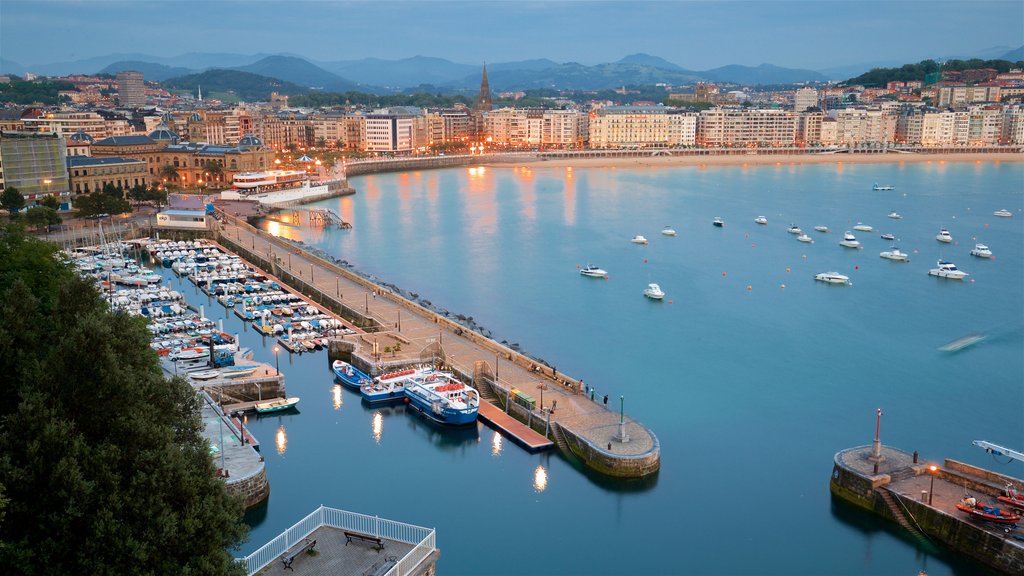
{"points": [[695, 35]]}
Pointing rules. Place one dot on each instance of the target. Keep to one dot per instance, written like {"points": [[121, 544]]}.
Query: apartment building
{"points": [[628, 127], [805, 98], [131, 89], [730, 127], [34, 163], [391, 130]]}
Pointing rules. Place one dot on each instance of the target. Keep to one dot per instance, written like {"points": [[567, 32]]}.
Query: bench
{"points": [[288, 558], [376, 541]]}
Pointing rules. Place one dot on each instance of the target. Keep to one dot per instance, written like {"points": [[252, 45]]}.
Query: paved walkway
{"points": [[590, 419]]}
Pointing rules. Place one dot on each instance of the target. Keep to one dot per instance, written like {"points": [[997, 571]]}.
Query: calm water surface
{"points": [[751, 373]]}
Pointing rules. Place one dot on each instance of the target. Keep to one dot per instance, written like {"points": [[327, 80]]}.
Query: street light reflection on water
{"points": [[540, 479], [496, 441], [378, 426], [281, 440], [336, 392]]}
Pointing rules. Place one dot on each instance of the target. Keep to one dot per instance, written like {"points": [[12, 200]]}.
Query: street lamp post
{"points": [[931, 486], [277, 361]]}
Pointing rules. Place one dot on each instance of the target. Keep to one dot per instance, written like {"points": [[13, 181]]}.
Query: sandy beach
{"points": [[778, 159]]}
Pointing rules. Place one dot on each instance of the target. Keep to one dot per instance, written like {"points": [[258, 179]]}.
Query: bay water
{"points": [[751, 374]]}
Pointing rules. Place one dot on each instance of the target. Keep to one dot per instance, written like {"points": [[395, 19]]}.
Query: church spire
{"points": [[483, 101]]}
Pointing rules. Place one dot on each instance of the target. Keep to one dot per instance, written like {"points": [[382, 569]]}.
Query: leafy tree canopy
{"points": [[879, 77], [103, 464], [102, 203], [40, 216], [29, 92], [12, 201]]}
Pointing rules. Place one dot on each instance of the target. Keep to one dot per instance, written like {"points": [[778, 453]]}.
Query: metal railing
{"points": [[422, 538]]}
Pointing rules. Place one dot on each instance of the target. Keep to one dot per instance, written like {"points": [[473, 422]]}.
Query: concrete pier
{"points": [[400, 332], [924, 501], [235, 455]]}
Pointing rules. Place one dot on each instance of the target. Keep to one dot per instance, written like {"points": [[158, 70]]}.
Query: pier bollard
{"points": [[915, 456]]}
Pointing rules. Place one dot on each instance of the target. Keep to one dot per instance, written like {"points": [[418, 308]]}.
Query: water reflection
{"points": [[281, 440], [378, 426], [496, 441], [540, 479], [336, 392]]}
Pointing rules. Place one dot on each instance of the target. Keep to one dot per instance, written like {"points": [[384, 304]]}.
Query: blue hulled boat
{"points": [[349, 375], [443, 399], [390, 387]]}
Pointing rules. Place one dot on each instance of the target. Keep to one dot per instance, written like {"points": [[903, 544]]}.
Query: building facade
{"points": [[89, 175], [33, 163], [131, 89]]}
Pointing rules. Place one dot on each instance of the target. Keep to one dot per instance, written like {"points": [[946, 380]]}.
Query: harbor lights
{"points": [[931, 486], [622, 436], [541, 388], [277, 361]]}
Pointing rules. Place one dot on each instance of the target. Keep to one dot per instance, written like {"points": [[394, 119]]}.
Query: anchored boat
{"points": [[349, 375], [443, 399], [593, 271], [278, 405]]}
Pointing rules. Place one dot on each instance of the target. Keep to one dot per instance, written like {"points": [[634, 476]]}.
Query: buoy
{"points": [[746, 235], [605, 276], [669, 301], [787, 270], [986, 225], [856, 267], [749, 287], [804, 256], [972, 280], [782, 285], [753, 245], [577, 266], [645, 260], [723, 274]]}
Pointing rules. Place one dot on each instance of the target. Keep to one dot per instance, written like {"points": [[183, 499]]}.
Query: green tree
{"points": [[40, 216], [213, 170], [12, 201], [50, 202], [117, 450], [169, 173]]}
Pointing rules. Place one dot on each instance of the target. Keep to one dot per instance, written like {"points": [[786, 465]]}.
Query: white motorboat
{"points": [[1004, 213], [638, 239], [883, 187], [821, 228], [718, 222], [668, 231], [832, 278], [850, 241], [947, 270], [888, 236], [794, 229], [895, 216], [860, 227], [805, 238], [895, 254], [761, 220], [944, 236], [981, 251], [653, 291], [204, 375], [593, 271]]}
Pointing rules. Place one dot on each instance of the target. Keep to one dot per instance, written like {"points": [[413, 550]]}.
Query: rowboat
{"points": [[277, 405]]}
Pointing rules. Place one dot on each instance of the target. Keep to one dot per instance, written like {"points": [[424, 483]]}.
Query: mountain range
{"points": [[384, 76]]}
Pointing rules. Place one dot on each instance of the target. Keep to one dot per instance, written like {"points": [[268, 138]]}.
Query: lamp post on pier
{"points": [[931, 485], [277, 360], [622, 437]]}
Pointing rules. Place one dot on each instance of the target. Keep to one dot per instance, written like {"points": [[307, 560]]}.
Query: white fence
{"points": [[423, 538]]}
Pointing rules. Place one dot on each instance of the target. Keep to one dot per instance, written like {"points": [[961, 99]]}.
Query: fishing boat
{"points": [[653, 291], [981, 251], [947, 270], [277, 405], [895, 254], [718, 222], [1012, 497], [239, 371], [876, 187], [805, 238], [888, 236], [821, 228], [861, 227], [832, 278], [443, 399], [391, 387], [593, 271], [668, 231], [850, 241], [1004, 213], [895, 216], [761, 220], [988, 513], [794, 229], [944, 236], [638, 239], [349, 375]]}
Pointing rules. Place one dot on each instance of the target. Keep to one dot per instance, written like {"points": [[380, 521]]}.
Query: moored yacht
{"points": [[668, 231], [593, 271], [944, 236], [761, 220], [947, 270], [883, 187], [832, 278], [794, 229], [653, 291], [888, 236], [1004, 213], [718, 222], [895, 254], [638, 239], [861, 227], [805, 238], [895, 215], [821, 228], [849, 241], [981, 251]]}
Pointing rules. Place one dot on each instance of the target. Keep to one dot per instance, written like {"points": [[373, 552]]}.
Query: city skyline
{"points": [[812, 35]]}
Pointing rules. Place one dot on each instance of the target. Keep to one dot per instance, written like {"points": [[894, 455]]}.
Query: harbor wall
{"points": [[610, 463], [253, 489]]}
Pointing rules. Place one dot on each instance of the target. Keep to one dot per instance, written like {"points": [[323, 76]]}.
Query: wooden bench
{"points": [[288, 558], [376, 541]]}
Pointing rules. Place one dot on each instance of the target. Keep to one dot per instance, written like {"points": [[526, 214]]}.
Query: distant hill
{"points": [[400, 73], [575, 76], [300, 72], [535, 64], [246, 85], [11, 67], [879, 77], [652, 61], [763, 74], [1014, 55], [150, 71]]}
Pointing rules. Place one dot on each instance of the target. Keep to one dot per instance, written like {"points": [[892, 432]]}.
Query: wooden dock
{"points": [[519, 433]]}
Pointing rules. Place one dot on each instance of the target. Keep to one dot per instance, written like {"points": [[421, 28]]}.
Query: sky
{"points": [[695, 35]]}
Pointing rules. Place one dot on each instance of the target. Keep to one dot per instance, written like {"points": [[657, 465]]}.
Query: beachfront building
{"points": [[628, 127], [1013, 125], [682, 128], [808, 128], [961, 94], [732, 127], [533, 127], [89, 175], [34, 163], [938, 128], [390, 130], [856, 126]]}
